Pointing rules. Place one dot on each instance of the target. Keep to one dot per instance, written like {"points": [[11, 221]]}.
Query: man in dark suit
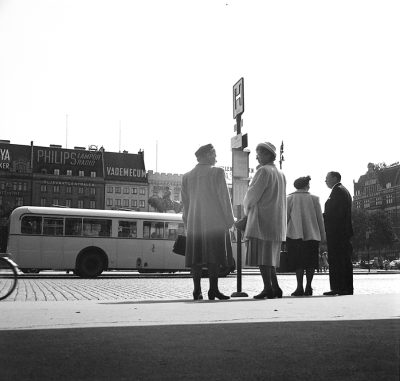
{"points": [[339, 230]]}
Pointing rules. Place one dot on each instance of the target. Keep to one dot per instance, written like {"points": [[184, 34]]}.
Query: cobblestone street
{"points": [[171, 287]]}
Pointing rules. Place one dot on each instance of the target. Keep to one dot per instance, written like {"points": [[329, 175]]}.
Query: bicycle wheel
{"points": [[8, 278]]}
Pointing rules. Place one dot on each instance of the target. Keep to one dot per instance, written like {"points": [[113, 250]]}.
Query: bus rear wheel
{"points": [[90, 265]]}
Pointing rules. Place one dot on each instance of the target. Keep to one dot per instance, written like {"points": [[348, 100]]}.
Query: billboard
{"points": [[49, 158], [124, 167], [15, 158]]}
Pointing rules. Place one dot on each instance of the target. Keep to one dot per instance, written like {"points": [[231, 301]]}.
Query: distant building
{"points": [[126, 184], [75, 178], [161, 184], [379, 188]]}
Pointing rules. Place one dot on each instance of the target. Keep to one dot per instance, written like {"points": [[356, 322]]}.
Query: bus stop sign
{"points": [[238, 98]]}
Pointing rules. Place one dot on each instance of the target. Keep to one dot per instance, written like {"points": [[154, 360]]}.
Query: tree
{"points": [[360, 219], [382, 230]]}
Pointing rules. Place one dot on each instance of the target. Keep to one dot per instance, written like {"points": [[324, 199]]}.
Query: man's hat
{"points": [[268, 146], [203, 150]]}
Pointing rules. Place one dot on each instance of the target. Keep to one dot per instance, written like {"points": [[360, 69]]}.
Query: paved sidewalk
{"points": [[49, 315], [342, 338]]}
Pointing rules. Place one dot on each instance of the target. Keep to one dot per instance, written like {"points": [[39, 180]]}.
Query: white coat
{"points": [[304, 216], [265, 205]]}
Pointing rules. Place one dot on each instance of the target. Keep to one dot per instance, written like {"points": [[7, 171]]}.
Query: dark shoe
{"points": [[308, 291], [345, 293], [278, 293], [331, 293], [298, 293], [216, 294], [197, 296], [269, 294]]}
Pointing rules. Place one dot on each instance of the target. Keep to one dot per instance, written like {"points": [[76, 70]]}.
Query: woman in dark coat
{"points": [[207, 215]]}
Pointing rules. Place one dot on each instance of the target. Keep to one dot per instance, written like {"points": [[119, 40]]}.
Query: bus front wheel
{"points": [[90, 265]]}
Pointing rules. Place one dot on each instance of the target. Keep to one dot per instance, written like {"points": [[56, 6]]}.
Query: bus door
{"points": [[129, 246], [53, 243], [154, 245], [172, 260], [27, 247]]}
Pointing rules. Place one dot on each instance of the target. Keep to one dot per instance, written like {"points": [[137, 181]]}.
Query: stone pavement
{"points": [[62, 287]]}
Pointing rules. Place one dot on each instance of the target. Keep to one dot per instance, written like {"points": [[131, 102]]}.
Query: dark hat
{"points": [[302, 182], [203, 150]]}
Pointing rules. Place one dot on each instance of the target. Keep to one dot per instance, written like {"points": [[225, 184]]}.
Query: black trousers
{"points": [[340, 267]]}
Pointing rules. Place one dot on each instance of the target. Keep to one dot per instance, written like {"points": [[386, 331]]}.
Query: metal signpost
{"points": [[240, 174]]}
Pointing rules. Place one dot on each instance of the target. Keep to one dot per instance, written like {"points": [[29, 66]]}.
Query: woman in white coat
{"points": [[304, 233], [265, 207]]}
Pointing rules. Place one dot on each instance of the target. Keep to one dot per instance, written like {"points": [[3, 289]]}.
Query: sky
{"points": [[321, 76]]}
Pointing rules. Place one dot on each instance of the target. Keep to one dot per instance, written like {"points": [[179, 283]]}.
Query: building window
{"points": [[141, 204], [43, 187], [92, 174], [55, 201], [126, 203], [20, 186], [14, 186], [57, 172], [142, 191], [69, 172], [134, 190], [42, 202], [118, 202], [117, 189], [68, 189], [56, 188], [134, 203], [68, 203], [80, 204], [92, 204], [25, 187], [126, 190], [389, 199], [81, 173], [80, 190], [92, 191], [388, 185], [109, 202], [19, 201], [2, 186], [110, 189]]}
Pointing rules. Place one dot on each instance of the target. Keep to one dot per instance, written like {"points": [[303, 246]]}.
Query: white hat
{"points": [[268, 146]]}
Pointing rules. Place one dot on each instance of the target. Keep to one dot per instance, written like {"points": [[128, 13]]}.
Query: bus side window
{"points": [[172, 229], [53, 226], [96, 227], [73, 226], [31, 225], [127, 229], [153, 230]]}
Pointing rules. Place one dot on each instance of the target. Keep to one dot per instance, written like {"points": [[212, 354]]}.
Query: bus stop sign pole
{"points": [[240, 174]]}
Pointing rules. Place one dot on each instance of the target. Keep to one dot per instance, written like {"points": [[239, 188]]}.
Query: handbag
{"points": [[180, 245], [241, 224]]}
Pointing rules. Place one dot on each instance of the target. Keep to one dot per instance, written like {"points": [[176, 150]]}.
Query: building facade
{"points": [[126, 184], [75, 178], [379, 189]]}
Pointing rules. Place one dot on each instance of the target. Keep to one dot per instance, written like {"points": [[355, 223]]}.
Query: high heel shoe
{"points": [[308, 291], [197, 295], [298, 293], [278, 293], [216, 294], [269, 294]]}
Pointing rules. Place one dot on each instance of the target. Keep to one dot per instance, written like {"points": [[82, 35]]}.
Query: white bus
{"points": [[90, 241]]}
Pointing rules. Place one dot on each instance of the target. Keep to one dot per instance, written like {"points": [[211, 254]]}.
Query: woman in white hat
{"points": [[265, 207]]}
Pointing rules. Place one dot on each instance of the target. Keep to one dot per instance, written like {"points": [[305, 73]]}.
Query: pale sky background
{"points": [[323, 76]]}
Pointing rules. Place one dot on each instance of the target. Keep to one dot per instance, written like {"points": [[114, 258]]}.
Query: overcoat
{"points": [[207, 215], [265, 205], [304, 216], [337, 213]]}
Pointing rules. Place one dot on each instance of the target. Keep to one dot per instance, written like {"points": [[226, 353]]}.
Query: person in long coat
{"points": [[304, 233], [265, 207], [339, 230], [207, 215]]}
